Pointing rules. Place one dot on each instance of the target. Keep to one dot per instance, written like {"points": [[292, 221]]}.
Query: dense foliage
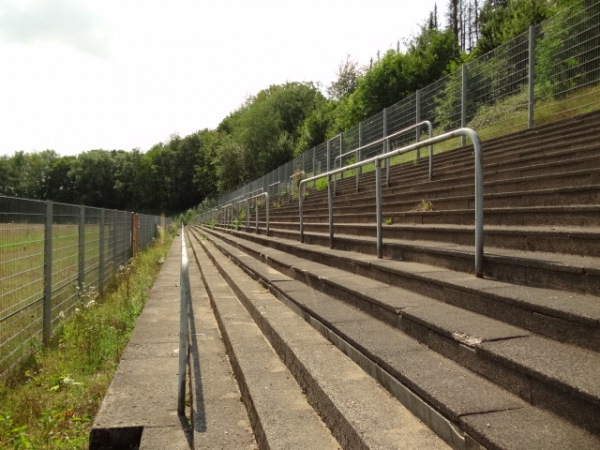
{"points": [[273, 126]]}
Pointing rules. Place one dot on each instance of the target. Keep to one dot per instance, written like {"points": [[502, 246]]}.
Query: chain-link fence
{"points": [[548, 73], [53, 258]]}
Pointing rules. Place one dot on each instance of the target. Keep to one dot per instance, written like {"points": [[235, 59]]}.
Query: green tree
{"points": [[60, 185], [93, 174], [267, 130], [347, 79], [503, 20]]}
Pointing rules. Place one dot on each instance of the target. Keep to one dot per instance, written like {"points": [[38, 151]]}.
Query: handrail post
{"points": [[267, 210], [417, 119], [301, 209], [184, 308], [359, 169], [378, 208], [256, 210], [478, 205], [463, 102], [247, 214], [330, 210]]}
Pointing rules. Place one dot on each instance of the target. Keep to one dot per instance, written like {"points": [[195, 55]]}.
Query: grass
{"points": [[51, 400], [22, 280]]}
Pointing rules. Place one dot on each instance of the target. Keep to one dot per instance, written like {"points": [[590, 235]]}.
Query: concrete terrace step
{"points": [[527, 156], [358, 411], [573, 215], [582, 241], [280, 414], [502, 167], [571, 195], [563, 315], [462, 396], [583, 171], [559, 271]]}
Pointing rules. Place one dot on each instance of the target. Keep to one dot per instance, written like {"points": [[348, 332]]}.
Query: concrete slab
{"points": [[220, 420], [278, 409], [362, 413], [143, 392], [567, 367], [459, 325], [528, 428]]}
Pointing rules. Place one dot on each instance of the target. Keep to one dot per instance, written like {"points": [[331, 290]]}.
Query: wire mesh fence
{"points": [[54, 257], [548, 73]]}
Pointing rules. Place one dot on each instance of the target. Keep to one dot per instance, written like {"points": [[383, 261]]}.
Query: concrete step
{"points": [[360, 413], [582, 241], [559, 271], [386, 343], [219, 418], [279, 412], [572, 215], [410, 176], [551, 176], [559, 314], [563, 155]]}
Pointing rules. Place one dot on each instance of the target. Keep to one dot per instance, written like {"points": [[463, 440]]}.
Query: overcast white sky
{"points": [[77, 75]]}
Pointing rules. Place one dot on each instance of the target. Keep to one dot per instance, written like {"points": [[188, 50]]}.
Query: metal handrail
{"points": [[247, 200], [386, 140], [227, 207], [184, 310], [466, 132]]}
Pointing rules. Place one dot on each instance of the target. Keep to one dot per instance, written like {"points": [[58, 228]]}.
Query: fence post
{"points": [[101, 254], [531, 77], [113, 238], [134, 234], [358, 169], [47, 308], [417, 120], [463, 102], [81, 277]]}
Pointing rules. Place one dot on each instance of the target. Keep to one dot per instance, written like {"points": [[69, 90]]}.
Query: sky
{"points": [[78, 75]]}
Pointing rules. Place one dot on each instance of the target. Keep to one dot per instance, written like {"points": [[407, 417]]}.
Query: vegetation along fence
{"points": [[548, 73], [55, 258]]}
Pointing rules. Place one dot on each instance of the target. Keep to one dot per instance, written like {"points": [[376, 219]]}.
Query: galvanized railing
{"points": [[184, 319], [386, 141], [256, 197], [461, 132]]}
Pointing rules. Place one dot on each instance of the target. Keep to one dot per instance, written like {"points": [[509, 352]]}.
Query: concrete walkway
{"points": [[140, 407]]}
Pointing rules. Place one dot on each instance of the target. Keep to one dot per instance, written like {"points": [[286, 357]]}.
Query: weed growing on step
{"points": [[50, 401], [425, 205], [321, 184]]}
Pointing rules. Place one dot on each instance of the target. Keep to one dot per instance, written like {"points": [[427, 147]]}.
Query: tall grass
{"points": [[50, 402]]}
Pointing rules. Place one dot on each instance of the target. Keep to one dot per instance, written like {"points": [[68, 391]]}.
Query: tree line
{"points": [[273, 126]]}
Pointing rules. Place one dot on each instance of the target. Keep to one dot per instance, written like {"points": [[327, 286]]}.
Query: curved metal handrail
{"points": [[247, 200], [386, 140], [466, 132]]}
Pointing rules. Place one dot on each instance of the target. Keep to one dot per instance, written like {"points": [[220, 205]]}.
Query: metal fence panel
{"points": [[22, 226], [558, 61], [55, 258]]}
